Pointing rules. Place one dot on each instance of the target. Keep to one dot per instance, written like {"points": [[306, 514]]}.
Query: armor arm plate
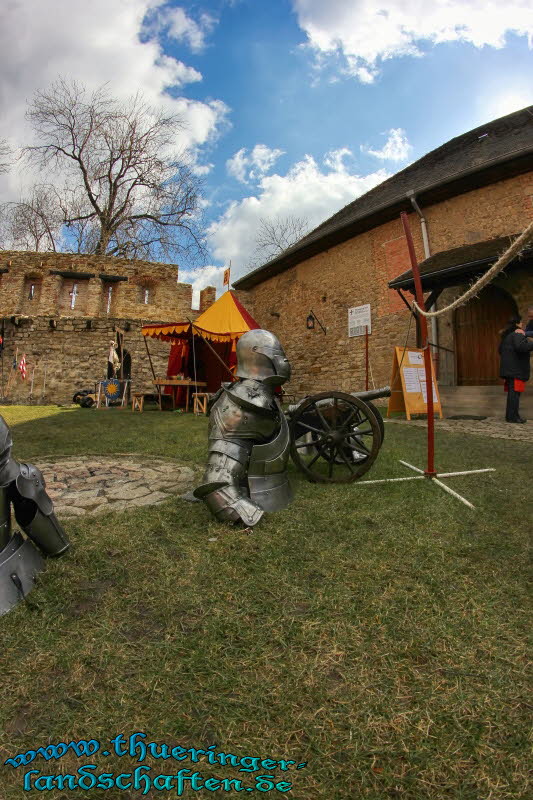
{"points": [[221, 489]]}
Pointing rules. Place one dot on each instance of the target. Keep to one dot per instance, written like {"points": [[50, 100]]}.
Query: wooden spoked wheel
{"points": [[335, 437]]}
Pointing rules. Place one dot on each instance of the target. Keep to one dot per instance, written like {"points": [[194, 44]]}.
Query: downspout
{"points": [[427, 253]]}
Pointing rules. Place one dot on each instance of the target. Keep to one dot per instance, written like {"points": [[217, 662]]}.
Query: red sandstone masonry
{"points": [[358, 271]]}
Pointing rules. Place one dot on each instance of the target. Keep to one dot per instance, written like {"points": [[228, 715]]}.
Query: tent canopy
{"points": [[223, 324], [225, 321]]}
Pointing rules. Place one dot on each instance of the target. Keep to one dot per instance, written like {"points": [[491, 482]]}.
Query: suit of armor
{"points": [[246, 472], [22, 486]]}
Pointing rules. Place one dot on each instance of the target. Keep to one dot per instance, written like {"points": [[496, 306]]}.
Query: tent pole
{"points": [[212, 349], [153, 372]]}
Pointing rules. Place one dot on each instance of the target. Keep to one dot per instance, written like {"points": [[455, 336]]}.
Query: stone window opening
{"points": [[109, 298], [32, 289], [73, 294], [146, 293]]}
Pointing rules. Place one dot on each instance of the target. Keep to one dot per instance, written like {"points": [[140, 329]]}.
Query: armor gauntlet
{"points": [[222, 490]]}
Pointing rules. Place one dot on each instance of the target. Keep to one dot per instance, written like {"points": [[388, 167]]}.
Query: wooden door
{"points": [[477, 326]]}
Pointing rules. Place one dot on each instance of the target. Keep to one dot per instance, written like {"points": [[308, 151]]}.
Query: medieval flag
{"points": [[226, 276], [22, 367]]}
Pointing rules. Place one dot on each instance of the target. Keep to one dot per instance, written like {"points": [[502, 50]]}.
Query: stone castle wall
{"points": [[357, 272], [66, 348], [106, 287], [72, 356]]}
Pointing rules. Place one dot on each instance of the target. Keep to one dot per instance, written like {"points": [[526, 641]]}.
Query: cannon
{"points": [[336, 436]]}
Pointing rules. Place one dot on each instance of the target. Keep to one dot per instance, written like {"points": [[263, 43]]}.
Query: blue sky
{"points": [[293, 107]]}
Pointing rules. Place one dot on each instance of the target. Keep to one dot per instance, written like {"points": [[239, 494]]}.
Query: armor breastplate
{"points": [[243, 411], [267, 470]]}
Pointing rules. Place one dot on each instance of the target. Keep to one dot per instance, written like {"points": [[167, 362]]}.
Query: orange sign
{"points": [[226, 276], [408, 383]]}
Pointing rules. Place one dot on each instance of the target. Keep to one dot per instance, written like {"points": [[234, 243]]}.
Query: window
{"points": [[146, 290], [109, 297], [73, 295], [31, 291]]}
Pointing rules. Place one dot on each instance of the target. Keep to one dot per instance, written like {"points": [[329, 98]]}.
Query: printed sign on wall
{"points": [[359, 318]]}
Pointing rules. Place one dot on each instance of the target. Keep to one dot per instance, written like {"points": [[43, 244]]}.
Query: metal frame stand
{"points": [[434, 479]]}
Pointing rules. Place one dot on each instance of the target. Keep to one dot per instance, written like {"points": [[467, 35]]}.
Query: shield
{"points": [[111, 389]]}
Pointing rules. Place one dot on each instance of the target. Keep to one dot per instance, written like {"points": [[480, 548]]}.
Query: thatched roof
{"points": [[495, 151]]}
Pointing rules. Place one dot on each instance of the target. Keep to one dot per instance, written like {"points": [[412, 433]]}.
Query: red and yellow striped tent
{"points": [[221, 325]]}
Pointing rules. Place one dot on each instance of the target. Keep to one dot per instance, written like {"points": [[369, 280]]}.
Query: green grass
{"points": [[378, 633]]}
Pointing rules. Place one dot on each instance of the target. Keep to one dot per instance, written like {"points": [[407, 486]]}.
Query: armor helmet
{"points": [[261, 357]]}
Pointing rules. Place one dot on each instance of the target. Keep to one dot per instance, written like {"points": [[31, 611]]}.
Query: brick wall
{"points": [[357, 272], [167, 299], [74, 357], [75, 351]]}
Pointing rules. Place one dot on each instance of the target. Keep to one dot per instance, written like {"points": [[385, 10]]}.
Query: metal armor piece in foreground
{"points": [[249, 443], [22, 487]]}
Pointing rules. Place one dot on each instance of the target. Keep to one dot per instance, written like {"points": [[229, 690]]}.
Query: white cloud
{"points": [[184, 29], [252, 167], [396, 148], [363, 33], [94, 43], [200, 278], [305, 191], [334, 159]]}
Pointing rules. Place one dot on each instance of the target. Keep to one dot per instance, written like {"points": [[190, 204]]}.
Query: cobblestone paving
{"points": [[94, 485], [493, 427]]}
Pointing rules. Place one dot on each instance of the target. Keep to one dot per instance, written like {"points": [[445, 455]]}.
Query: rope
{"points": [[519, 243]]}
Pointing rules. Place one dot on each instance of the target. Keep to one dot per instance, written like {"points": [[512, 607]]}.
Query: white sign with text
{"points": [[359, 318]]}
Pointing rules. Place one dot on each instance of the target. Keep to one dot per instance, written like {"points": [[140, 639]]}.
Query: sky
{"points": [[291, 107]]}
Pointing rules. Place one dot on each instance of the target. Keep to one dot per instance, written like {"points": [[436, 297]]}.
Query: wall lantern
{"points": [[310, 322]]}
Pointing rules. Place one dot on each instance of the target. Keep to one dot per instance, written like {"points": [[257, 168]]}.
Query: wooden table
{"points": [[175, 382]]}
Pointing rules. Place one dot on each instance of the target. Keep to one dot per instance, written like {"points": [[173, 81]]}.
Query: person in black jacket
{"points": [[515, 368]]}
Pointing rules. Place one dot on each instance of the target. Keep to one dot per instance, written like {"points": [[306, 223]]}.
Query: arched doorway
{"points": [[477, 325]]}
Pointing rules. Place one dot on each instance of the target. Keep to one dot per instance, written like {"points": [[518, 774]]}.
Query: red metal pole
{"points": [[366, 355], [430, 471]]}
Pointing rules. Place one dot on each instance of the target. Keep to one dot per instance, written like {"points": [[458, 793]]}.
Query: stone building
{"points": [[62, 310], [465, 201]]}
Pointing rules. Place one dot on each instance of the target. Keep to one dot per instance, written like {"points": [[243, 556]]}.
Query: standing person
{"points": [[515, 368]]}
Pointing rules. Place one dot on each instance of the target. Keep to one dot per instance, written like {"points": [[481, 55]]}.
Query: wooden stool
{"points": [[200, 402], [137, 402]]}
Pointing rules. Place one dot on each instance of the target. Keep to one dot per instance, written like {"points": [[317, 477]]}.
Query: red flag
{"points": [[226, 276], [22, 367]]}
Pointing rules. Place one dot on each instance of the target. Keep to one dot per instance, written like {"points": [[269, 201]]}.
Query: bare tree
{"points": [[276, 234], [126, 191], [5, 156], [34, 223]]}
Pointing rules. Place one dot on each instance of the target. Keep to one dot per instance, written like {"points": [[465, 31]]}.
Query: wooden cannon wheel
{"points": [[335, 437]]}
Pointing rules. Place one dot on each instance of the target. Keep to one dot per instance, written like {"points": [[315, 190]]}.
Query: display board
{"points": [[359, 319], [408, 384]]}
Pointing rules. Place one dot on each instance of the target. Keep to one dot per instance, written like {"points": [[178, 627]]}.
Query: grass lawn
{"points": [[377, 633]]}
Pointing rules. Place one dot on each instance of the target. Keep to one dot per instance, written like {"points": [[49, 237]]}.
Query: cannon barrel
{"points": [[373, 394]]}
